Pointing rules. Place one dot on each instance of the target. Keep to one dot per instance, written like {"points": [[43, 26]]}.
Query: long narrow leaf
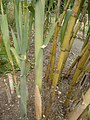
{"points": [[64, 27], [5, 35], [16, 45], [50, 34], [15, 55], [20, 21], [25, 35], [17, 22]]}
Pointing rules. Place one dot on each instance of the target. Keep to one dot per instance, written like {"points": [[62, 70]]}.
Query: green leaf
{"points": [[25, 35], [17, 23], [15, 55], [50, 34], [16, 45], [31, 9], [50, 4], [20, 23], [5, 36], [64, 26]]}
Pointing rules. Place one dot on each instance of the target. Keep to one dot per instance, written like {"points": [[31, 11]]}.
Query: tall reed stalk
{"points": [[39, 24], [84, 47], [64, 49], [74, 34], [78, 71], [50, 67], [20, 53], [54, 47]]}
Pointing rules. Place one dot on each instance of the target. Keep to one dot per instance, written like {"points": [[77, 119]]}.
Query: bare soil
{"points": [[10, 111]]}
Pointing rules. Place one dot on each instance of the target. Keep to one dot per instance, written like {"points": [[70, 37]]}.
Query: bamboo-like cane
{"points": [[85, 69], [66, 41], [39, 24], [50, 67], [82, 81], [87, 38], [77, 73], [64, 50], [54, 47], [84, 47], [74, 34], [53, 55]]}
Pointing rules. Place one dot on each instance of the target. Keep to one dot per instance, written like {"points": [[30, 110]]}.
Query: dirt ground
{"points": [[10, 111]]}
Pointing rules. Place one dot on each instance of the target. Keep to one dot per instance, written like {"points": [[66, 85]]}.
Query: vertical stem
{"points": [[2, 8], [53, 55], [50, 67], [64, 50], [23, 96], [87, 38], [65, 45], [77, 73], [74, 35], [39, 23], [84, 47], [54, 47]]}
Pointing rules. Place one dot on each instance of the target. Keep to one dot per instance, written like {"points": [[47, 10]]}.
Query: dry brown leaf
{"points": [[38, 103]]}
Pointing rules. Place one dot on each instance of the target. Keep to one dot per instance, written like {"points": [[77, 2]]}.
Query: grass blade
{"points": [[50, 34], [5, 36]]}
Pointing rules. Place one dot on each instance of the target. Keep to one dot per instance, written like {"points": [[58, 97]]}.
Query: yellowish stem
{"points": [[64, 50], [77, 73], [50, 67]]}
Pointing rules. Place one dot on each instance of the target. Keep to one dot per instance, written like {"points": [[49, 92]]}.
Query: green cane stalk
{"points": [[39, 23]]}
